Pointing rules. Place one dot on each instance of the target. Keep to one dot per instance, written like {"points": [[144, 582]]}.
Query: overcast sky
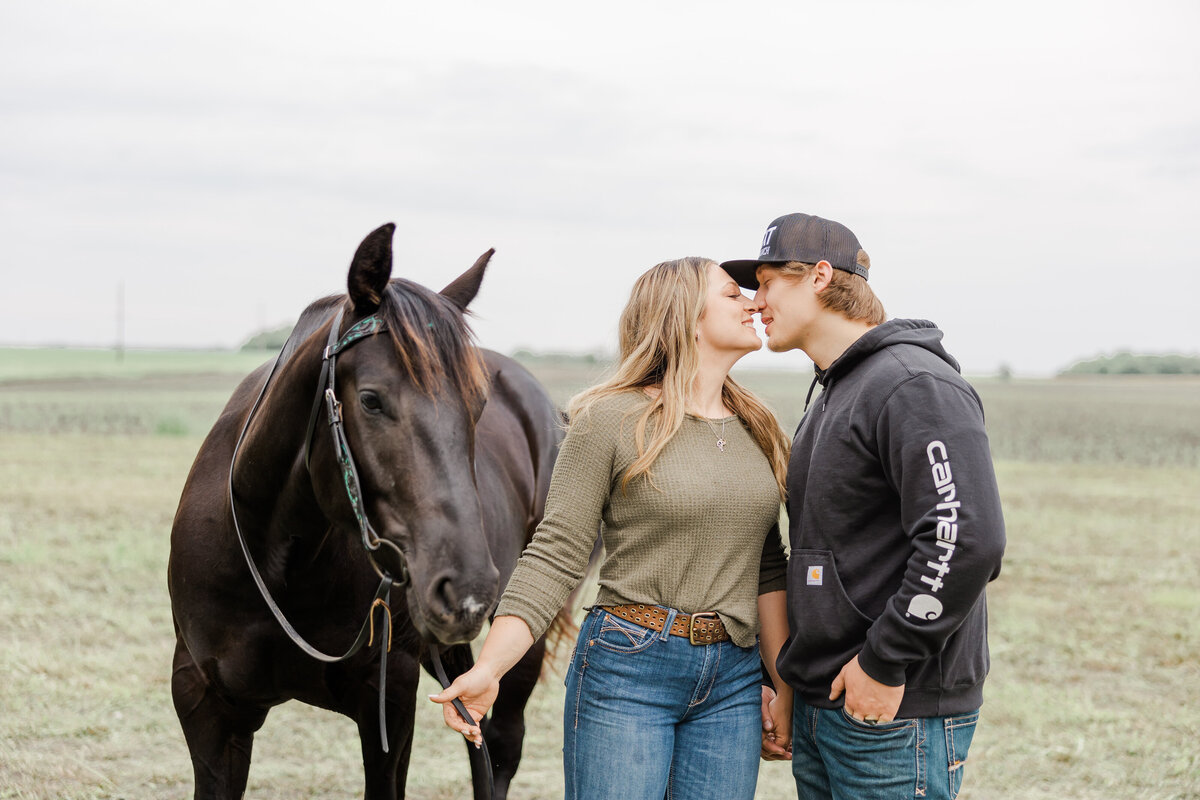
{"points": [[1025, 174]]}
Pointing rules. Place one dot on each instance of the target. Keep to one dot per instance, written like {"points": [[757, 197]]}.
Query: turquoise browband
{"points": [[367, 326]]}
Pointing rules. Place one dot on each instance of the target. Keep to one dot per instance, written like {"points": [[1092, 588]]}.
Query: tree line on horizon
{"points": [[1127, 363], [1120, 363]]}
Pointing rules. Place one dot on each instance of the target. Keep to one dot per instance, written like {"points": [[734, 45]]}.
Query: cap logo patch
{"points": [[766, 243], [816, 575]]}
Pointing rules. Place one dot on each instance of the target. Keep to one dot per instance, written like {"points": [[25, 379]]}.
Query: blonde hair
{"points": [[847, 293], [658, 349]]}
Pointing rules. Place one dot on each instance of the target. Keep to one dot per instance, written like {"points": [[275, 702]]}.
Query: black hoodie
{"points": [[896, 526]]}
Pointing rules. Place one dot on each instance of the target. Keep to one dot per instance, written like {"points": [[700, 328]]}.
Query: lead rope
{"points": [[435, 656], [371, 540], [384, 649], [366, 633]]}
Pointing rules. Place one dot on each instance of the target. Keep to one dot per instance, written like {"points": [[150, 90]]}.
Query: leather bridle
{"points": [[364, 328]]}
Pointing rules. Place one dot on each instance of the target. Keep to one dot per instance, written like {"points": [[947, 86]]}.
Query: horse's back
{"points": [[516, 443], [206, 480]]}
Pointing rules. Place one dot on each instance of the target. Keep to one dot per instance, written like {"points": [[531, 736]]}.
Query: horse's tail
{"points": [[560, 636]]}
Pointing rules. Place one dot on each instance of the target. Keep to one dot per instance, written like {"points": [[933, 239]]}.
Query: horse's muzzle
{"points": [[453, 609]]}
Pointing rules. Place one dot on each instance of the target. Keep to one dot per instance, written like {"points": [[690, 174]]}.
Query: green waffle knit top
{"points": [[703, 536]]}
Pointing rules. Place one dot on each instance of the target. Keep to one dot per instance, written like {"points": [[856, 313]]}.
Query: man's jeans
{"points": [[650, 715], [836, 756]]}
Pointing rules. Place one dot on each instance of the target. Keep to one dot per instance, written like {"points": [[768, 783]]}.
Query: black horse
{"points": [[454, 447]]}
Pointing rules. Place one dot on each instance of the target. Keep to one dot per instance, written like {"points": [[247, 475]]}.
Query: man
{"points": [[895, 528]]}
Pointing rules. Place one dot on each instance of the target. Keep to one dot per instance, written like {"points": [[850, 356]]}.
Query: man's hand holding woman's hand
{"points": [[776, 726]]}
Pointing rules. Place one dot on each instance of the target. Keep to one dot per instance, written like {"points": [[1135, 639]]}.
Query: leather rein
{"points": [[366, 327]]}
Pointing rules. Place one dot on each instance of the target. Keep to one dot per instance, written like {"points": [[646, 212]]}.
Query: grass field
{"points": [[1095, 621]]}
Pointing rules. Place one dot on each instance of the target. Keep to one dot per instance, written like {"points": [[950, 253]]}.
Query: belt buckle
{"points": [[692, 624]]}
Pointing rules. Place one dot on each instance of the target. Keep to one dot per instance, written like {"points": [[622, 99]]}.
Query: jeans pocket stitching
{"points": [[954, 764], [879, 729], [922, 787], [963, 721], [639, 638], [583, 662], [616, 648]]}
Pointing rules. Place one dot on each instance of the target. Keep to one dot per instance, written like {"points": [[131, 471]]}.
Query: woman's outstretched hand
{"points": [[477, 688], [507, 640]]}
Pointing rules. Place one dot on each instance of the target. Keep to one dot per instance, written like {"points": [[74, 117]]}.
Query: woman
{"points": [[685, 469]]}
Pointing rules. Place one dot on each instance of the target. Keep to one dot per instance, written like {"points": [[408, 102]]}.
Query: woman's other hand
{"points": [[777, 726]]}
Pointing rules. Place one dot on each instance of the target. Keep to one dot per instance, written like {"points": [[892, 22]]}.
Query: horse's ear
{"points": [[371, 269], [462, 290]]}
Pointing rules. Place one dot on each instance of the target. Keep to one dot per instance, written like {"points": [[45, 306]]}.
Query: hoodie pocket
{"points": [[827, 628], [964, 659]]}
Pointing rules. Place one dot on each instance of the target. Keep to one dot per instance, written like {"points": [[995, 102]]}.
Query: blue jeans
{"points": [[835, 756], [650, 715]]}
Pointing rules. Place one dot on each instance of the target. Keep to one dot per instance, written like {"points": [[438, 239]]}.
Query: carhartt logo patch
{"points": [[816, 576], [924, 606]]}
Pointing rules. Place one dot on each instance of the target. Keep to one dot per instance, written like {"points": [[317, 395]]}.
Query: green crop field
{"points": [[1095, 620]]}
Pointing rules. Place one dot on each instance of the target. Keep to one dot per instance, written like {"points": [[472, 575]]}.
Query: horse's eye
{"points": [[370, 401]]}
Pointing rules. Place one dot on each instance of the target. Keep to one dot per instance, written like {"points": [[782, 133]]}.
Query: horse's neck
{"points": [[270, 477]]}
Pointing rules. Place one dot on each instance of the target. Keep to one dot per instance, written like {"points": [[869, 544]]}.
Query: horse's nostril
{"points": [[452, 600], [445, 595]]}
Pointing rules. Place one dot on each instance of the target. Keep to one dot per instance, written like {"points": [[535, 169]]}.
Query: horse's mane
{"points": [[430, 333], [311, 318], [433, 339]]}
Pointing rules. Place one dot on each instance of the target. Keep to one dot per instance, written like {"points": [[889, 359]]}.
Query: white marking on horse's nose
{"points": [[472, 606]]}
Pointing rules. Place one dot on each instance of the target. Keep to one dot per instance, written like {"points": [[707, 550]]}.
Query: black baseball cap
{"points": [[804, 238]]}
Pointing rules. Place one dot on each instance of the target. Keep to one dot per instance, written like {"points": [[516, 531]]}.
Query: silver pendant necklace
{"points": [[720, 436]]}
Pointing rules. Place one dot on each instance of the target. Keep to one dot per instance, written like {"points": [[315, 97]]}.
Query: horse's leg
{"points": [[386, 773], [505, 732], [219, 734]]}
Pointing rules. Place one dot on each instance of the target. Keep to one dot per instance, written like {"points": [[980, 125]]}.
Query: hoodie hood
{"points": [[916, 332]]}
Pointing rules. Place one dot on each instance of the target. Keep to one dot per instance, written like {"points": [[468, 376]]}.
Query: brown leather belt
{"points": [[704, 627]]}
